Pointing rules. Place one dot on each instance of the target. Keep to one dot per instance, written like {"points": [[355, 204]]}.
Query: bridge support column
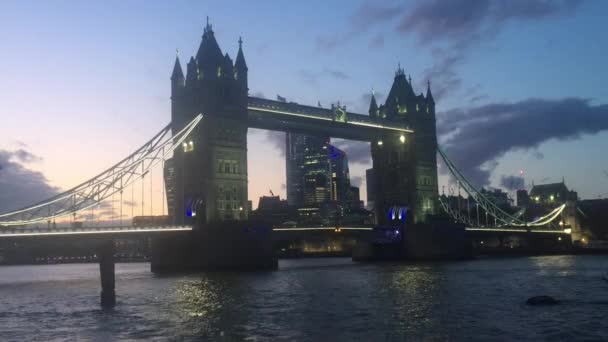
{"points": [[106, 270]]}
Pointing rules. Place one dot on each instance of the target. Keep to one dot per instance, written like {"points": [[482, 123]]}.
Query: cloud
{"points": [[356, 180], [25, 157], [465, 21], [277, 139], [20, 186], [365, 17], [512, 182], [538, 155], [474, 139], [340, 75], [258, 94], [313, 77], [377, 42], [358, 152], [449, 29]]}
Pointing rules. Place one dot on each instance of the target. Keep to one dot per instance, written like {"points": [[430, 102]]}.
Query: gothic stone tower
{"points": [[211, 167], [405, 166]]}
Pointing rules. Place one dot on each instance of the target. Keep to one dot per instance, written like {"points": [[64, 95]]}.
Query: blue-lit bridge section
{"points": [[334, 122]]}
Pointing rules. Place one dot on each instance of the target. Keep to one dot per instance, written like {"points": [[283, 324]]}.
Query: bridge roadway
{"points": [[291, 116], [123, 230]]}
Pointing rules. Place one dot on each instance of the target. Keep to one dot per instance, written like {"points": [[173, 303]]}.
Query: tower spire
{"points": [[373, 105], [240, 63], [429, 95], [177, 75]]}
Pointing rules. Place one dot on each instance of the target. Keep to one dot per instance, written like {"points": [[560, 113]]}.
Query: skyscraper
{"points": [[317, 172], [298, 147]]}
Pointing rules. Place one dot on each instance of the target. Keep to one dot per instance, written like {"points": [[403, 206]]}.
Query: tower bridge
{"points": [[204, 161], [211, 172]]}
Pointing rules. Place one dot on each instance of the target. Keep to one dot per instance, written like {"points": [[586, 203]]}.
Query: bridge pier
{"points": [[105, 255]]}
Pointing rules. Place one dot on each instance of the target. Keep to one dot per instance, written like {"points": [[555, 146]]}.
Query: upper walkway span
{"points": [[334, 122]]}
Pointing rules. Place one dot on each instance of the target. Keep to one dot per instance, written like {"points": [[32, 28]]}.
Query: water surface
{"points": [[313, 300]]}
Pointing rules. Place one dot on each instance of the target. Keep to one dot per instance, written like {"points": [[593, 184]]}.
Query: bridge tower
{"points": [[405, 166], [210, 169]]}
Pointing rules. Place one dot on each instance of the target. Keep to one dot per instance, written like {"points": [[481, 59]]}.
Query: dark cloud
{"points": [[258, 94], [356, 180], [476, 138], [377, 42], [451, 28], [464, 21], [365, 17], [538, 155], [20, 186], [448, 28], [340, 75], [277, 139], [511, 183], [24, 156], [130, 203], [313, 77], [358, 152]]}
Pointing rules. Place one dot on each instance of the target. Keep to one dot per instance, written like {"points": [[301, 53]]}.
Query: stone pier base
{"points": [[222, 246], [105, 254]]}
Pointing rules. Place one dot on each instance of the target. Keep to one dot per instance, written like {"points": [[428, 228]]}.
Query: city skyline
{"points": [[67, 103]]}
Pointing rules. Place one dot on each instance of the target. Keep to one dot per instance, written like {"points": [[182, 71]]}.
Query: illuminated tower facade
{"points": [[405, 166], [210, 169]]}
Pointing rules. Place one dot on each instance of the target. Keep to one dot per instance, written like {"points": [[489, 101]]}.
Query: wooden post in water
{"points": [[106, 270]]}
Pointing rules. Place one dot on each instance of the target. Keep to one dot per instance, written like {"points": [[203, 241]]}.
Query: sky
{"points": [[519, 84]]}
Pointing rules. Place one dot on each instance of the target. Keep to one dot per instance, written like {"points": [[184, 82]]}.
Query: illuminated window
{"points": [[428, 109], [417, 107], [219, 71], [402, 138], [188, 147]]}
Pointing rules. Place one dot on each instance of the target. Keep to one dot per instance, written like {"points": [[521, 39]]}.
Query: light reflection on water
{"points": [[313, 299]]}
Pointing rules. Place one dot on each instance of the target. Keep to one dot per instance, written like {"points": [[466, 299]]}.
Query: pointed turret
{"points": [[429, 95], [209, 56], [240, 67], [240, 63], [191, 72], [227, 68], [373, 105], [177, 77], [401, 95]]}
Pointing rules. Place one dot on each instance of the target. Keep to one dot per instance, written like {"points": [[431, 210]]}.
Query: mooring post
{"points": [[106, 270]]}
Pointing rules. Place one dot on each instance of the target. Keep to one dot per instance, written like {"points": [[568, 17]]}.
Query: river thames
{"points": [[330, 299]]}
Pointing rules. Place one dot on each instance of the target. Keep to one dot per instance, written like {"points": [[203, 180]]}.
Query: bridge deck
{"points": [[144, 229], [90, 231], [281, 116]]}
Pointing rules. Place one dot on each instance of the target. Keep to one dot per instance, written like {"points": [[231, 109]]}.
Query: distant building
{"points": [[499, 197], [170, 184], [274, 209], [340, 175], [355, 198], [370, 184], [298, 147], [317, 172], [522, 198], [551, 194]]}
